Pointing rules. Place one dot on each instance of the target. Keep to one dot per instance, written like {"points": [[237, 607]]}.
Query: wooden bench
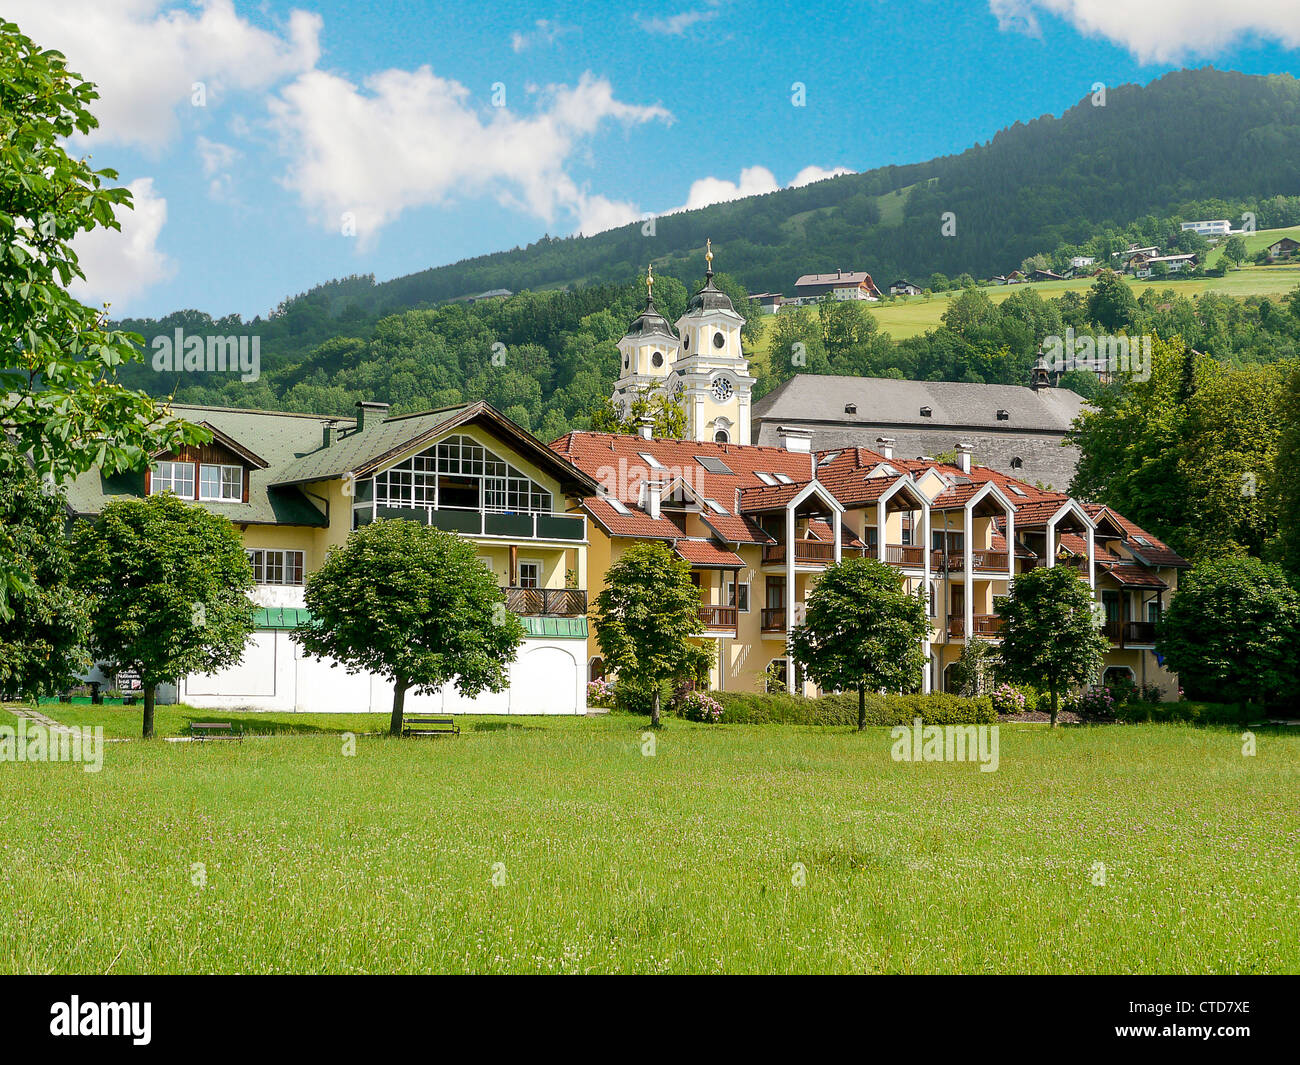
{"points": [[222, 730], [430, 726]]}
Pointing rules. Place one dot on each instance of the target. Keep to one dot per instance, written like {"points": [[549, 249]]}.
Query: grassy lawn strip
{"points": [[291, 856]]}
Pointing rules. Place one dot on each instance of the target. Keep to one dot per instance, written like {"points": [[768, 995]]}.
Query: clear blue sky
{"points": [[359, 137]]}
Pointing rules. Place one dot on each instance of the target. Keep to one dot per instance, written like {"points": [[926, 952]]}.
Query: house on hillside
{"points": [[1282, 249], [295, 485], [770, 301], [1047, 275], [1078, 262], [1145, 265], [1218, 227], [492, 294], [841, 285], [903, 287]]}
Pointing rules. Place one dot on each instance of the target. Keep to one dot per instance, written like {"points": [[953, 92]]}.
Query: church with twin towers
{"points": [[698, 362]]}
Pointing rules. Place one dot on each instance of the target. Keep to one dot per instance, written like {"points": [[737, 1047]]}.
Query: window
{"points": [[1153, 611], [1016, 490], [713, 464], [766, 478], [954, 541], [617, 504], [1004, 415], [926, 412], [657, 359], [850, 408], [175, 477], [530, 574], [276, 567], [224, 483], [906, 536], [721, 437], [719, 340], [783, 478], [738, 595], [1017, 463], [715, 506], [651, 461], [460, 473]]}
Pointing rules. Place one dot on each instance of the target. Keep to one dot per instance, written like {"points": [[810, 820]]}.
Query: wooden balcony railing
{"points": [[1128, 633], [772, 619], [547, 602], [983, 625], [806, 552], [984, 561], [906, 555], [718, 617]]}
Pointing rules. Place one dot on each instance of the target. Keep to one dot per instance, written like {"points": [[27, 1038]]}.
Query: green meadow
{"points": [[569, 845]]}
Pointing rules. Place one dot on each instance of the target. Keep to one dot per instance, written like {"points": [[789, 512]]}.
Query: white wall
{"points": [[548, 677]]}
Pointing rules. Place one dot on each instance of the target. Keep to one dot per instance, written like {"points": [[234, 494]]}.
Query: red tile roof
{"points": [[1154, 552], [1132, 575], [705, 553]]}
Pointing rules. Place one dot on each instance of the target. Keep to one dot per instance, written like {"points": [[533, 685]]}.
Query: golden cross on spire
{"points": [[650, 281], [708, 252]]}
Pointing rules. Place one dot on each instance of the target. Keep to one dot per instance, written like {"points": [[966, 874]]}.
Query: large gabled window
{"points": [[177, 477], [221, 483], [460, 473], [207, 482]]}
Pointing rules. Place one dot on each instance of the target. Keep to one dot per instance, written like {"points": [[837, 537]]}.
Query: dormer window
{"points": [[177, 477], [926, 412], [1004, 415], [850, 408], [221, 484], [1017, 462]]}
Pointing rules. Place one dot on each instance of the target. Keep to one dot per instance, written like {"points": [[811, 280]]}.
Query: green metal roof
{"points": [[280, 617], [561, 628]]}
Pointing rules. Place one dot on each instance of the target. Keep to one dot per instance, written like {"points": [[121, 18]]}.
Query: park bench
{"points": [[430, 726], [222, 730]]}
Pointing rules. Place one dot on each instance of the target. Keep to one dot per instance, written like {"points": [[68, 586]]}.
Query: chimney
{"points": [[654, 493], [646, 427], [886, 446], [794, 439], [963, 457], [379, 410], [329, 433]]}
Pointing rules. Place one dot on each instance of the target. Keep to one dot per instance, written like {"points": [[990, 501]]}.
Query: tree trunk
{"points": [[1052, 688], [400, 684], [150, 694], [862, 707], [654, 707]]}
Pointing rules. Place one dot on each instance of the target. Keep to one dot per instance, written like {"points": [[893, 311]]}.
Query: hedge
{"points": [[749, 708]]}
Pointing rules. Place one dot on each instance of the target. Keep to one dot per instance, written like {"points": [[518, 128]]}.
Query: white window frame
{"points": [[537, 562], [221, 497], [156, 487], [732, 585], [285, 565]]}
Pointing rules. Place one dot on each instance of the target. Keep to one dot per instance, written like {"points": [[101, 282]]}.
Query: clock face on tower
{"points": [[722, 390]]}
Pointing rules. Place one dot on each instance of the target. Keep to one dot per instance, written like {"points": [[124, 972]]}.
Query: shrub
{"points": [[743, 708], [633, 698], [600, 693], [1008, 700], [1095, 704], [699, 706]]}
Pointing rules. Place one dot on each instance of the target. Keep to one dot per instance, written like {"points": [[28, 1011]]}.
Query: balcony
{"points": [[772, 619], [547, 602], [512, 526], [718, 618], [905, 555], [983, 560], [985, 625], [1129, 633], [806, 553]]}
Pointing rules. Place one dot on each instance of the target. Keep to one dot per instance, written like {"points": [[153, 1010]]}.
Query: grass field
{"points": [[285, 854]]}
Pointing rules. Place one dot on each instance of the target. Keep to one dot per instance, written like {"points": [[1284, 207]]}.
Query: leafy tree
{"points": [[669, 416], [862, 630], [646, 618], [1284, 484], [413, 604], [1234, 250], [167, 583], [60, 401], [1111, 303], [41, 640], [1050, 634], [1230, 632]]}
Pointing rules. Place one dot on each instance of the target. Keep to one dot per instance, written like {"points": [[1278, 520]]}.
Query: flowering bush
{"points": [[1096, 703], [600, 693], [697, 706], [1008, 700]]}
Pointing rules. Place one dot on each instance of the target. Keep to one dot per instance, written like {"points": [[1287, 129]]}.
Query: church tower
{"points": [[710, 377], [646, 352]]}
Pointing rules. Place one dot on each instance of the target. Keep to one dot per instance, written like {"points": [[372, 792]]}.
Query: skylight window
{"points": [[828, 458], [617, 504], [1143, 541], [784, 479], [766, 478], [715, 506], [713, 464], [1017, 491], [651, 461]]}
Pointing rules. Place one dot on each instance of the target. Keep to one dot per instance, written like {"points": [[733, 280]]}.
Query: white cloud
{"points": [[544, 32], [1162, 31], [602, 214], [146, 56], [411, 138], [677, 25], [120, 264], [217, 159]]}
